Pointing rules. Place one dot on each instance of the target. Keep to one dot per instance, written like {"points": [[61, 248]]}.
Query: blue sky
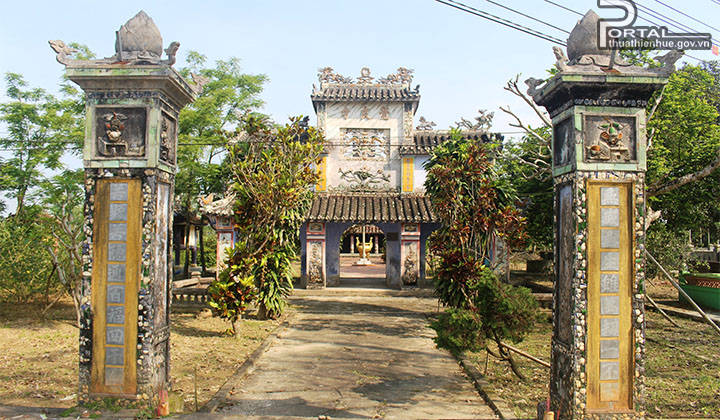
{"points": [[461, 61]]}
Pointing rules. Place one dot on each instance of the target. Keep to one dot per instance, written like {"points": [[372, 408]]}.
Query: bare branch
{"points": [[656, 104], [512, 87], [651, 114], [527, 129]]}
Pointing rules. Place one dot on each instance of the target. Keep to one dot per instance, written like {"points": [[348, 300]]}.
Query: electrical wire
{"points": [[686, 15], [563, 7], [528, 16], [331, 144], [640, 17], [504, 22], [668, 21]]}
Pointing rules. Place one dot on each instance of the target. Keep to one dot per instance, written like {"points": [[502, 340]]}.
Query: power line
{"points": [[688, 16], [563, 7], [668, 20], [640, 17], [326, 143], [527, 16], [417, 132], [504, 22]]}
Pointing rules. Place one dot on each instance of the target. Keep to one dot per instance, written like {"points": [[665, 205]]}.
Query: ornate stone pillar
{"points": [[315, 255], [132, 104], [597, 105], [410, 254]]}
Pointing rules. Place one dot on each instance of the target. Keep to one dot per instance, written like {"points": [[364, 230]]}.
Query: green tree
{"points": [[475, 205], [684, 153], [26, 273], [273, 171], [40, 128], [226, 93], [525, 163], [683, 157], [63, 199]]}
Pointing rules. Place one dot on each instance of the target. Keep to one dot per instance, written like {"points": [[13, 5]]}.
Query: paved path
{"points": [[361, 357]]}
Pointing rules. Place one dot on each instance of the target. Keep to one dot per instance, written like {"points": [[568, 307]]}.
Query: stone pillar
{"points": [[597, 108], [392, 254], [315, 251], [133, 100], [225, 235], [410, 254]]}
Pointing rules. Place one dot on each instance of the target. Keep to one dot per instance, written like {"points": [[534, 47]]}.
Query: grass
{"points": [[682, 372], [199, 343], [39, 358], [522, 396]]}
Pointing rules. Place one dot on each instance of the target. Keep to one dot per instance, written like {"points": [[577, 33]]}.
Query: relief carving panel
{"points": [[120, 132], [565, 259], [316, 272], [168, 139], [610, 139], [366, 144]]}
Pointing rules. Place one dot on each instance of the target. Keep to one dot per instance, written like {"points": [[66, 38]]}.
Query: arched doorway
{"points": [[363, 256]]}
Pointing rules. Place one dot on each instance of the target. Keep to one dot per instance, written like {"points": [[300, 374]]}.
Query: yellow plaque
{"points": [[407, 174], [322, 171], [610, 275], [115, 282]]}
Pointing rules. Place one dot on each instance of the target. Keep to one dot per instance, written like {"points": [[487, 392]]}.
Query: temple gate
{"points": [[371, 174]]}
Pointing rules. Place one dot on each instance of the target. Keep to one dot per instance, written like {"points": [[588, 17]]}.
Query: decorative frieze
{"points": [[366, 144]]}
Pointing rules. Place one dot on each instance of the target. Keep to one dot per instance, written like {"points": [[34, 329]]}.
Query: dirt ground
{"points": [[682, 374], [38, 357]]}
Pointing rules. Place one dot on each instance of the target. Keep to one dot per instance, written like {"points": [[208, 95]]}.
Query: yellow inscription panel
{"points": [[610, 278], [322, 172], [115, 280], [407, 174]]}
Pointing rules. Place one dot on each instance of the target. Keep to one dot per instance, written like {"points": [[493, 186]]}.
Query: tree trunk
{"points": [[262, 313], [186, 266], [507, 355], [20, 203], [202, 244], [234, 322]]}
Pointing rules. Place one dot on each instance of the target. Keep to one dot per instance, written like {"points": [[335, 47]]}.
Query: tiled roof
{"points": [[364, 92], [425, 141], [371, 208], [222, 207]]}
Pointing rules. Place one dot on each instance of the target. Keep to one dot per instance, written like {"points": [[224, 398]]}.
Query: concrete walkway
{"points": [[355, 357]]}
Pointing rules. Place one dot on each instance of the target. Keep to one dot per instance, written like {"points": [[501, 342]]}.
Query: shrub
{"points": [[26, 272]]}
